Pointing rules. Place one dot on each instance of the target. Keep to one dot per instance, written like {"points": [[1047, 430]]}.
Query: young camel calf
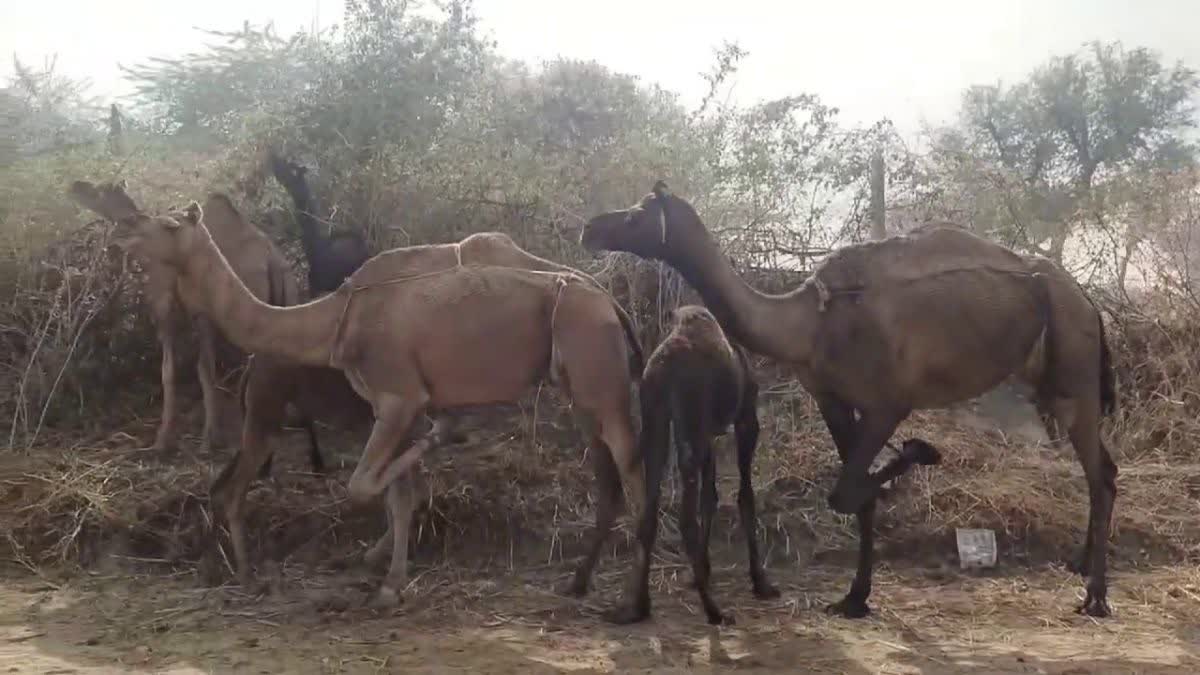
{"points": [[696, 384]]}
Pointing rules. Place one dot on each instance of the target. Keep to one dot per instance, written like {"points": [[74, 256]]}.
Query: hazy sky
{"points": [[907, 60]]}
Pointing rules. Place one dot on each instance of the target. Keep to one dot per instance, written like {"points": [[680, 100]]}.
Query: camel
{"points": [[330, 258], [697, 384], [880, 329], [407, 343], [254, 258], [323, 393]]}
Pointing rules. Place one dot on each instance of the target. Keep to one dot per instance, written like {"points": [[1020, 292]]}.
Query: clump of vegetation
{"points": [[416, 130]]}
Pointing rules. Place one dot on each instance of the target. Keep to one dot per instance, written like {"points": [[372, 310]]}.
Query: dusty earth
{"points": [[926, 620], [132, 615]]}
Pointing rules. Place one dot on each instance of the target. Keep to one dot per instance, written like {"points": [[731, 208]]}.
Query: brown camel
{"points": [[323, 393], [457, 337], [915, 321], [256, 261]]}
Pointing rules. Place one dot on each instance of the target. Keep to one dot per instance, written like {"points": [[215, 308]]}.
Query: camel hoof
{"points": [[765, 591], [628, 614], [1095, 604], [252, 586], [578, 588], [718, 618], [385, 598], [849, 608]]}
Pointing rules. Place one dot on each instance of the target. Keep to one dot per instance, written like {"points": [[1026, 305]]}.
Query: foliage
{"points": [[415, 129], [1036, 161]]}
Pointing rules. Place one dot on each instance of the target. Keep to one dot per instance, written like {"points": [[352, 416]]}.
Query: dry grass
{"points": [[517, 496]]}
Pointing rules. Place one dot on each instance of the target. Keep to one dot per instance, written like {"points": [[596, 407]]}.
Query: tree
{"points": [[1035, 161]]}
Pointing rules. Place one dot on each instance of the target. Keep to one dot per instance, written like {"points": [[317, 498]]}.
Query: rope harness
{"points": [[350, 290]]}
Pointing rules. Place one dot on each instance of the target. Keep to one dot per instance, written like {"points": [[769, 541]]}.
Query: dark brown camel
{"points": [[698, 384], [884, 328], [330, 258]]}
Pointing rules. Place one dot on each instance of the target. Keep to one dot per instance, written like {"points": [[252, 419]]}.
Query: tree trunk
{"points": [[878, 211], [115, 142]]}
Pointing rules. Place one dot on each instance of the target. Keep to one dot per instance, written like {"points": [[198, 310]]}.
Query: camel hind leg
{"points": [[1081, 418], [608, 504]]}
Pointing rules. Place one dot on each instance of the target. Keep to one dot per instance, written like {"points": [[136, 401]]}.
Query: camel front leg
{"points": [[854, 439], [379, 465]]}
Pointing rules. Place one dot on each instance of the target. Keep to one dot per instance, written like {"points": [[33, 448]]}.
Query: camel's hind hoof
{"points": [[719, 618], [1095, 604], [849, 607], [385, 598], [628, 614]]}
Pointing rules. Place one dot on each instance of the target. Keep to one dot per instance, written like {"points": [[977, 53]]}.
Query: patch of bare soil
{"points": [[509, 621]]}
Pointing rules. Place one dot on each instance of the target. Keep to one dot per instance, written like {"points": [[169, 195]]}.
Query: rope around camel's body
{"points": [[350, 289]]}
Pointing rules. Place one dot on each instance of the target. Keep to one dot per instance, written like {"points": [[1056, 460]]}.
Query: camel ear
{"points": [[109, 200], [192, 213]]}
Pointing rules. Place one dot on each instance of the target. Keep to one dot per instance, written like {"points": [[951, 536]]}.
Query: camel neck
{"points": [[771, 325], [300, 333]]}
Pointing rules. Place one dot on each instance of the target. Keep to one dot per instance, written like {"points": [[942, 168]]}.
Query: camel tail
{"points": [[637, 358]]}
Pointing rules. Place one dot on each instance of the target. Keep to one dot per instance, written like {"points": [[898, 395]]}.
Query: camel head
{"points": [[109, 200], [289, 174], [165, 239], [653, 228]]}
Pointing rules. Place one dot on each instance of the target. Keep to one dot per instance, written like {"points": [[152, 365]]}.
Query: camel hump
{"points": [[918, 255]]}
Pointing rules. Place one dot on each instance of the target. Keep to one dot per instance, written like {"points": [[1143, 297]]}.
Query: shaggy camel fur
{"points": [[255, 260], [323, 393], [458, 337], [330, 258], [916, 321]]}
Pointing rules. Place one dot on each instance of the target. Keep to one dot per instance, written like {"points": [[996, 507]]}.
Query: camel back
{"points": [[923, 254]]}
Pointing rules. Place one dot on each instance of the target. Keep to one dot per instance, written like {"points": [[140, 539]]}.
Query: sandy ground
{"points": [[932, 620], [929, 617]]}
